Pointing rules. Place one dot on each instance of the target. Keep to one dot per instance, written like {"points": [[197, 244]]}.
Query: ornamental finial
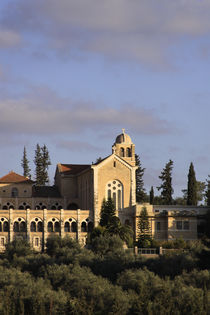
{"points": [[123, 130]]}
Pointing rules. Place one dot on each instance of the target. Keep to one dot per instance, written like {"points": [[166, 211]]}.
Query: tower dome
{"points": [[123, 138]]}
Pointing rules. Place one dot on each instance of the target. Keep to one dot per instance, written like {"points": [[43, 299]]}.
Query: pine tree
{"points": [[25, 164], [144, 228], [140, 191], [42, 162], [208, 192], [45, 164], [107, 212], [151, 196], [166, 187], [38, 166], [191, 187]]}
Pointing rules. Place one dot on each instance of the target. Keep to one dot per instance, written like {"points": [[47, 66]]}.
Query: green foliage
{"points": [[144, 237], [17, 248], [111, 224], [166, 186], [208, 192], [42, 163], [151, 196], [140, 191], [108, 216], [110, 280], [192, 187], [25, 164]]}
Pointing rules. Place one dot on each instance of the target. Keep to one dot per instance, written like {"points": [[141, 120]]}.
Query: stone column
{"points": [[28, 225], [61, 223], [10, 225], [44, 227], [78, 225]]}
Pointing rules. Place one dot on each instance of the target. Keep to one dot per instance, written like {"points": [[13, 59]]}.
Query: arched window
{"points": [[0, 227], [22, 226], [83, 227], [21, 207], [72, 206], [14, 192], [50, 227], [57, 227], [44, 207], [5, 207], [33, 227], [39, 226], [67, 227], [90, 226], [6, 226], [128, 151], [74, 227], [114, 190], [16, 227], [53, 208], [122, 152]]}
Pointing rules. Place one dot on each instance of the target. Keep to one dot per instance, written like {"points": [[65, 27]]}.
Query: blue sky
{"points": [[74, 73]]}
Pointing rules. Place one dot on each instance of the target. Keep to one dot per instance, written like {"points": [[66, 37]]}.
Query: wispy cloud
{"points": [[42, 111], [139, 30]]}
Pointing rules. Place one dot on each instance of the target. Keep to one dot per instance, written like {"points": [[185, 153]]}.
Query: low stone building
{"points": [[72, 206]]}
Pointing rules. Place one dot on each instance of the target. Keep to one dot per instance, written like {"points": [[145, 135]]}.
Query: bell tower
{"points": [[124, 148]]}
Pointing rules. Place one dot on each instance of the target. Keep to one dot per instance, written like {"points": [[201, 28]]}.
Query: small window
{"points": [[50, 227], [179, 225], [4, 191], [25, 191], [158, 225], [114, 164], [36, 242], [39, 226], [2, 241], [186, 225], [74, 227], [14, 192], [6, 226], [33, 226], [57, 227], [83, 227], [67, 227]]}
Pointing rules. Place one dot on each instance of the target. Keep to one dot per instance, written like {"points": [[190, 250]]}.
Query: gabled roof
{"points": [[45, 191], [72, 169], [13, 177]]}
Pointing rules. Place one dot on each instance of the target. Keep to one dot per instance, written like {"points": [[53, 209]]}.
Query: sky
{"points": [[73, 73]]}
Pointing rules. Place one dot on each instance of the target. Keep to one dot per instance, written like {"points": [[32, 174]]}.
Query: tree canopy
{"points": [[192, 187], [166, 186], [140, 190]]}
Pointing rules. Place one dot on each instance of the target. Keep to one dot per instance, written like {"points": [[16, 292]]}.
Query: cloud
{"points": [[41, 111], [9, 39], [78, 146], [142, 30]]}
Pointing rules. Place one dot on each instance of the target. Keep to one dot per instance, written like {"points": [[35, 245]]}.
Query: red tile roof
{"points": [[13, 177], [72, 169]]}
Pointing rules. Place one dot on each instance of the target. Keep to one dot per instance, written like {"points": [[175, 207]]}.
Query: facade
{"points": [[72, 206]]}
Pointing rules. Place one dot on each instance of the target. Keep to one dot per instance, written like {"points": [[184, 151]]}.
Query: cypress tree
{"points": [[45, 164], [38, 166], [144, 228], [166, 187], [191, 187], [208, 192], [140, 191], [151, 196], [25, 164]]}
